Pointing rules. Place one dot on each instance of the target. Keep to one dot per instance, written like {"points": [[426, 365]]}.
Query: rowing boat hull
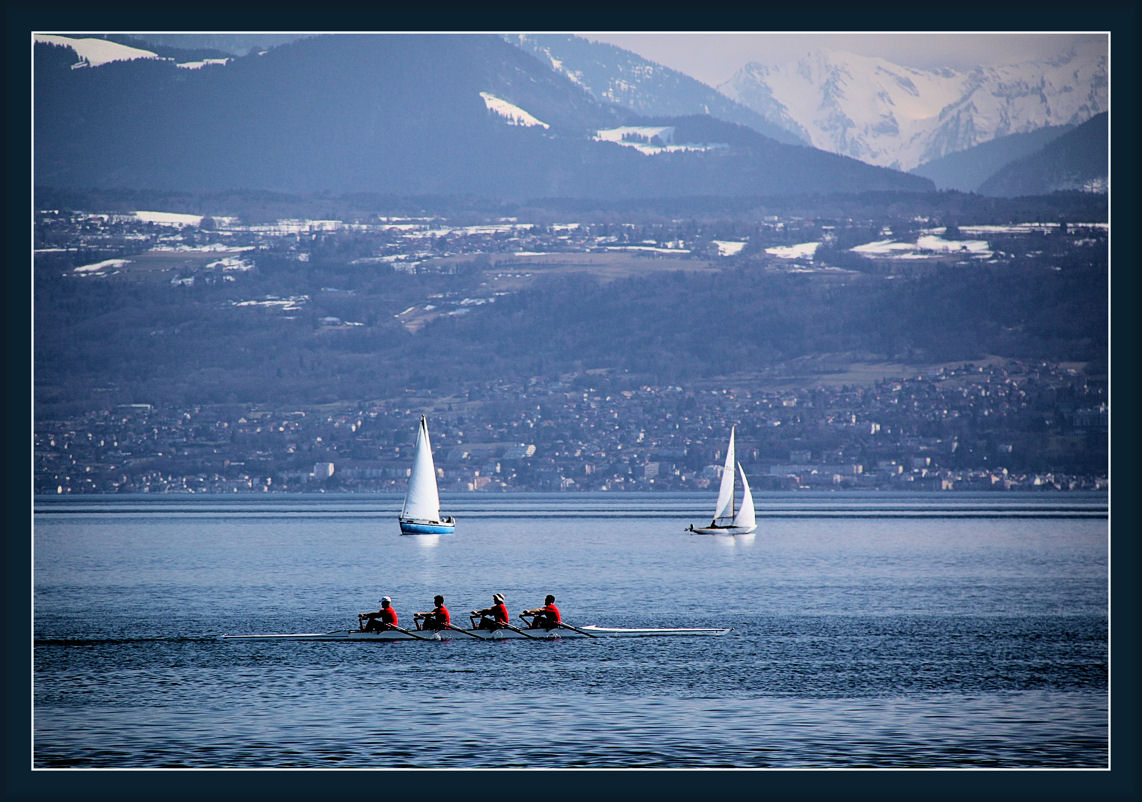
{"points": [[483, 634]]}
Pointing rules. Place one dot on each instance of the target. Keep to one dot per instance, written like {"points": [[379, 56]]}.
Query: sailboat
{"points": [[726, 521], [421, 512]]}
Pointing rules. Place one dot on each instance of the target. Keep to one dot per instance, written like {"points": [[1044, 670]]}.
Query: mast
{"points": [[731, 461]]}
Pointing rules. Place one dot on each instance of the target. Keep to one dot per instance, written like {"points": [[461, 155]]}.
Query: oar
{"points": [[410, 634], [575, 629], [466, 632], [398, 629], [565, 626], [508, 626], [520, 631]]}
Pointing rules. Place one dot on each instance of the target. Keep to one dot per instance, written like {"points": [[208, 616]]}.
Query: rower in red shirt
{"points": [[493, 617], [545, 617], [382, 619], [437, 618]]}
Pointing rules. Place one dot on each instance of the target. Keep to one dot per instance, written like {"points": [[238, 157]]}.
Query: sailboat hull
{"points": [[427, 528], [723, 530]]}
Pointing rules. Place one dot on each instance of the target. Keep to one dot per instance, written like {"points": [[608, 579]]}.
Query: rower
{"points": [[494, 617], [382, 619], [437, 618], [545, 617]]}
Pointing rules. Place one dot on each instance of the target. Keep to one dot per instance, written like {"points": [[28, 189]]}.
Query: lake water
{"points": [[870, 630]]}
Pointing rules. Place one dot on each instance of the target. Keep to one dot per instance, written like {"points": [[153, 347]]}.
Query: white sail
{"points": [[725, 507], [422, 502], [745, 517]]}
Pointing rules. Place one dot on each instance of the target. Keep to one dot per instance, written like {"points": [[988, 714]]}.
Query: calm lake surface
{"points": [[870, 630]]}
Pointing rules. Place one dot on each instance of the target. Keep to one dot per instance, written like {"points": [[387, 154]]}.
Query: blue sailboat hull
{"points": [[426, 528]]}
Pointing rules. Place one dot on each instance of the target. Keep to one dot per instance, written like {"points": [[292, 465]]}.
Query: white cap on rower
{"points": [[386, 599]]}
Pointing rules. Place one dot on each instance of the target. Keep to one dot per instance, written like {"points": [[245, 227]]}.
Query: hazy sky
{"points": [[713, 57]]}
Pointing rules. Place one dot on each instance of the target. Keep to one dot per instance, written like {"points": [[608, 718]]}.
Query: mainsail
{"points": [[422, 502], [725, 507]]}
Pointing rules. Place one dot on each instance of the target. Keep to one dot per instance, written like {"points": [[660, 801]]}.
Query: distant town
{"points": [[925, 432], [985, 424]]}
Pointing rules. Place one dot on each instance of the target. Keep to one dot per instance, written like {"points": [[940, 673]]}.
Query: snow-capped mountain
{"points": [[613, 75], [882, 113]]}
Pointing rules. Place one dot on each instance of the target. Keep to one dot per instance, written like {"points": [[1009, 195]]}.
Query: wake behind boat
{"points": [[498, 634], [421, 512], [726, 521]]}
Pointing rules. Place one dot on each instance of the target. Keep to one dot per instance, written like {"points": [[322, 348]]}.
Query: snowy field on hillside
{"points": [[806, 250], [94, 52], [512, 113], [729, 248], [106, 267], [925, 246]]}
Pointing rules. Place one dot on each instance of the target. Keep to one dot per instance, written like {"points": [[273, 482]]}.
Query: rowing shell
{"points": [[483, 634]]}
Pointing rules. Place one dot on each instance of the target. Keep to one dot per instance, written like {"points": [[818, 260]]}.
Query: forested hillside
{"points": [[192, 344]]}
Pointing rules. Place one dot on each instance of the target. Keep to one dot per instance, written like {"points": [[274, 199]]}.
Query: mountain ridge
{"points": [[1077, 160], [966, 170], [398, 114]]}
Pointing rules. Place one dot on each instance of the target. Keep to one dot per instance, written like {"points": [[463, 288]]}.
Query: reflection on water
{"points": [[731, 541], [425, 541]]}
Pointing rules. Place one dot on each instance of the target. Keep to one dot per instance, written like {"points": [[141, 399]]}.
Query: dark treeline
{"points": [[260, 206]]}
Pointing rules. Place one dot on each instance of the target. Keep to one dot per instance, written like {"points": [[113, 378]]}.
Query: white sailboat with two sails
{"points": [[727, 520]]}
